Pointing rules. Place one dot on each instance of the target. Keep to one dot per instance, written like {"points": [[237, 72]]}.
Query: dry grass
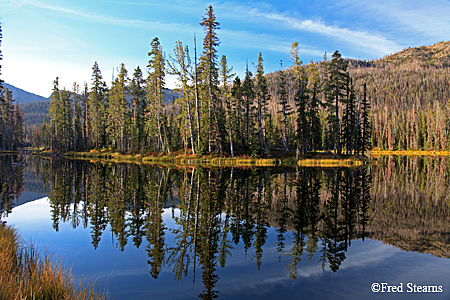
{"points": [[24, 274], [330, 162], [377, 152]]}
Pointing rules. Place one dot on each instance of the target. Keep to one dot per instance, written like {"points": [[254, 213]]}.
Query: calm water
{"points": [[149, 232]]}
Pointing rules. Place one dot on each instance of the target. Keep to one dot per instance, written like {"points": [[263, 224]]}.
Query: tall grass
{"points": [[24, 274]]}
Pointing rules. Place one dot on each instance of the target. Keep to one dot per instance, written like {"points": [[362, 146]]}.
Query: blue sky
{"points": [[46, 39]]}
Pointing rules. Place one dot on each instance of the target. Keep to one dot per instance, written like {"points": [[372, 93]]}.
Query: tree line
{"points": [[11, 117], [309, 107]]}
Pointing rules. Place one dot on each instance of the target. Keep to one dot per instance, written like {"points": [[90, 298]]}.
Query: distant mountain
{"points": [[23, 96], [35, 112], [437, 54]]}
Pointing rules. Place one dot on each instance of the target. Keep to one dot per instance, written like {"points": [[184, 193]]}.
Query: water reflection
{"points": [[316, 213]]}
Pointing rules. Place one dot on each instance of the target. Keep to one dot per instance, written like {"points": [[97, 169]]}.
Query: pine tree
{"points": [[301, 100], [262, 96], [315, 138], [181, 67], [366, 127], [137, 96], [248, 94], [337, 72], [226, 74], [97, 108], [237, 109], [210, 73], [117, 110], [286, 109], [155, 93]]}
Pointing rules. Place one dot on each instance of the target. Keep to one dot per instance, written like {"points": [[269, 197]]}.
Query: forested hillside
{"points": [[409, 93]]}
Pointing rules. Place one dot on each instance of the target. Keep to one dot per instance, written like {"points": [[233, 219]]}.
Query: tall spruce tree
{"points": [[155, 93], [117, 110], [301, 99], [210, 74], [285, 109], [315, 137], [137, 95], [262, 96], [97, 109], [337, 72], [366, 127], [181, 66], [226, 75]]}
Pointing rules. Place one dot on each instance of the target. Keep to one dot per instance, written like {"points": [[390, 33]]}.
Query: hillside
{"points": [[436, 55], [22, 96]]}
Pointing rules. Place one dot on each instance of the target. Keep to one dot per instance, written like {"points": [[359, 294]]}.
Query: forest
{"points": [[12, 130], [305, 108], [338, 105]]}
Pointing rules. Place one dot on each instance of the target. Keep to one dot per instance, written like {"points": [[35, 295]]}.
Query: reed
{"points": [[330, 162], [410, 153], [24, 274]]}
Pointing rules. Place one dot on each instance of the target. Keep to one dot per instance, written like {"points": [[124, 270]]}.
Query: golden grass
{"points": [[26, 275], [330, 162], [377, 152]]}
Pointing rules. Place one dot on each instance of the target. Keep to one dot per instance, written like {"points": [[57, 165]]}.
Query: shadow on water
{"points": [[315, 213]]}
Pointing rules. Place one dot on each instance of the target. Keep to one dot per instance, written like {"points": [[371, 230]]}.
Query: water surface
{"points": [[154, 232]]}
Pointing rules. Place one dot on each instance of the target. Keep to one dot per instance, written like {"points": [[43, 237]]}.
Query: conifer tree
{"points": [[337, 72], [137, 95], [286, 109], [155, 93], [262, 96], [226, 74], [117, 110], [315, 138], [210, 73], [301, 99], [248, 94], [236, 106], [97, 107], [366, 127], [181, 66]]}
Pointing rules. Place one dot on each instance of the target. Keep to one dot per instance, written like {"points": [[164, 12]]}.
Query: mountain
{"points": [[434, 55], [22, 96], [35, 112]]}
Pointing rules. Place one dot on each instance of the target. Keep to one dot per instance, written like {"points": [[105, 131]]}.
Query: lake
{"points": [[169, 232]]}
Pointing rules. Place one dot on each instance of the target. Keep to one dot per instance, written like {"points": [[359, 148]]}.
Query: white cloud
{"points": [[111, 20]]}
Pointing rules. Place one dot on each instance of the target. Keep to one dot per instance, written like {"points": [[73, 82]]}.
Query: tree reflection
{"points": [[316, 213]]}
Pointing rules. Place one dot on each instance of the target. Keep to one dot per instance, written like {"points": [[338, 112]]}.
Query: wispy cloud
{"points": [[370, 42], [427, 18], [112, 20]]}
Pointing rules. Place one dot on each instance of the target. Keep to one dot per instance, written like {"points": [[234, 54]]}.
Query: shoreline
{"points": [[310, 160]]}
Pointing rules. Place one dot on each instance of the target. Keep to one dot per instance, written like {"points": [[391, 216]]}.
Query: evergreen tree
{"points": [[210, 74], [262, 96], [117, 110], [155, 93], [181, 67], [315, 137], [137, 96], [366, 127], [286, 109], [337, 72], [301, 100], [248, 94], [97, 108], [237, 110], [226, 74]]}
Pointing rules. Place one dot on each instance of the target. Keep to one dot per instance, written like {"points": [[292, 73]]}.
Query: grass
{"points": [[377, 152], [329, 162], [179, 159], [24, 274]]}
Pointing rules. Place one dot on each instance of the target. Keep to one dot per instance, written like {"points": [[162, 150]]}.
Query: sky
{"points": [[46, 39]]}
